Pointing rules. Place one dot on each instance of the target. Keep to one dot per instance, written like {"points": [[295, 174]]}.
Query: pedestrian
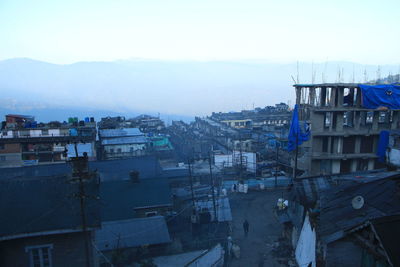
{"points": [[246, 227]]}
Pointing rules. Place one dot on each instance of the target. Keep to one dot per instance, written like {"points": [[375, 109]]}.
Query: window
{"points": [[348, 119], [39, 256], [328, 119], [383, 117], [369, 118]]}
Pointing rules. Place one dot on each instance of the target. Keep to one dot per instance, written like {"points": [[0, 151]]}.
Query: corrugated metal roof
{"points": [[121, 198], [46, 204], [337, 214], [125, 140], [132, 233], [118, 169], [120, 132]]}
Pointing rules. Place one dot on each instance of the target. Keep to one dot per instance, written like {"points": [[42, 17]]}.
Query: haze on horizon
{"points": [[68, 31], [249, 49]]}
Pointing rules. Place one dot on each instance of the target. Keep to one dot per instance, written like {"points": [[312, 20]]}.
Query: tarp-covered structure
{"points": [[380, 95]]}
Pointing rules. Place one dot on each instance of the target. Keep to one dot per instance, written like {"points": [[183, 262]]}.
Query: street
{"points": [[264, 229]]}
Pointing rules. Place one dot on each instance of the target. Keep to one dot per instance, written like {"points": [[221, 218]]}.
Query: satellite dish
{"points": [[357, 202]]}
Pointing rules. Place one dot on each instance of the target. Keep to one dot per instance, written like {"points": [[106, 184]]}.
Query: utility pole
{"points": [[277, 162], [191, 182], [80, 171], [241, 157], [212, 188]]}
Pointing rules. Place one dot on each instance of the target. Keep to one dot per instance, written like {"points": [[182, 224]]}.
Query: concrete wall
{"points": [[124, 148], [10, 160]]}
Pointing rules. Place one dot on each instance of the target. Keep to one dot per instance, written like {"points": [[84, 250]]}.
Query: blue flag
{"points": [[295, 132]]}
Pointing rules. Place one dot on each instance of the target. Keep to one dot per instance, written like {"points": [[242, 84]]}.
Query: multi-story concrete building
{"points": [[24, 142], [344, 134]]}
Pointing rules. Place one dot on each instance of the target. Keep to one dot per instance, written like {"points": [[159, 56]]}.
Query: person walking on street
{"points": [[246, 227]]}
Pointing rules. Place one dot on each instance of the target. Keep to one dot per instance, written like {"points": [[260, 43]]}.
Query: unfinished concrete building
{"points": [[344, 133]]}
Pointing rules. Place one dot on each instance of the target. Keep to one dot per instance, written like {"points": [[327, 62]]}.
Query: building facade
{"points": [[25, 142], [344, 134]]}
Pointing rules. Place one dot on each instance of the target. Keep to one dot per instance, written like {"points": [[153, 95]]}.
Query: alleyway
{"points": [[256, 249]]}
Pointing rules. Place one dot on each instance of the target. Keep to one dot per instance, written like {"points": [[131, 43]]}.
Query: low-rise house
{"points": [[41, 222], [339, 216], [24, 142], [133, 216], [122, 143]]}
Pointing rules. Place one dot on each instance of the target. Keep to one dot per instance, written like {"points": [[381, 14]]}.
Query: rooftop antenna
{"points": [[338, 79], [365, 75], [313, 73], [357, 202], [294, 80], [323, 78], [378, 75], [398, 75]]}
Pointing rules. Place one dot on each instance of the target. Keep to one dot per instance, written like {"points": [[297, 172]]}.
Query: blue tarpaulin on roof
{"points": [[382, 145], [381, 95]]}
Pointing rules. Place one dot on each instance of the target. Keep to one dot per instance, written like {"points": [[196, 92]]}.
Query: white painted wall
{"points": [[54, 132], [394, 157], [305, 249], [234, 160], [35, 133]]}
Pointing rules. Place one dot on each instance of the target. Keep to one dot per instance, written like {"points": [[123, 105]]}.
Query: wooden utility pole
{"points": [[277, 162], [80, 172], [212, 188], [191, 182]]}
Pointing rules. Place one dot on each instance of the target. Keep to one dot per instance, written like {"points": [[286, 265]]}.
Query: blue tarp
{"points": [[295, 132], [381, 95], [382, 145]]}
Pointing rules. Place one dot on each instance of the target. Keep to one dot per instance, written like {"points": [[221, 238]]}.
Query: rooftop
{"points": [[338, 216], [36, 206], [132, 233], [121, 198]]}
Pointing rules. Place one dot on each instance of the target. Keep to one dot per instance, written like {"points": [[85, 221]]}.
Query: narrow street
{"points": [[264, 228]]}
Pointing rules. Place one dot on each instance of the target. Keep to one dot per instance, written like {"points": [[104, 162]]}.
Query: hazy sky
{"points": [[67, 31]]}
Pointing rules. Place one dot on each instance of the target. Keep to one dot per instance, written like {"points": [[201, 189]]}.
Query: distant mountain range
{"points": [[176, 89]]}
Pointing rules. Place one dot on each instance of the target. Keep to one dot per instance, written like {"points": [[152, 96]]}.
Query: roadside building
{"points": [[25, 142], [133, 217], [41, 224], [345, 220], [122, 143], [345, 126]]}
